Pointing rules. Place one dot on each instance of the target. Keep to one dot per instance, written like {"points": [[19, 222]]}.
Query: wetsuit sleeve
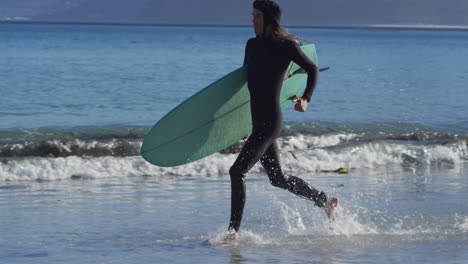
{"points": [[298, 57]]}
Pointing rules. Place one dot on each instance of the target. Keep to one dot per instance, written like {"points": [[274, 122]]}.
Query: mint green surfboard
{"points": [[214, 118]]}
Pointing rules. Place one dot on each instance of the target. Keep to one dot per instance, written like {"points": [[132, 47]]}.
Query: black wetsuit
{"points": [[267, 61]]}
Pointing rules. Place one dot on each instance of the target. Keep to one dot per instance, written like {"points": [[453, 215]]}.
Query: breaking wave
{"points": [[305, 148]]}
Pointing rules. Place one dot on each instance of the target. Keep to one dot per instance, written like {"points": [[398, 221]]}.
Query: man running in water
{"points": [[268, 56]]}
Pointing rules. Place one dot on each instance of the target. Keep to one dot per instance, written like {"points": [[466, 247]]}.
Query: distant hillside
{"points": [[237, 12], [30, 8], [157, 12]]}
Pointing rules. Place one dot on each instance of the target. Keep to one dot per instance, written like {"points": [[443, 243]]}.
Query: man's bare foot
{"points": [[331, 207], [231, 237]]}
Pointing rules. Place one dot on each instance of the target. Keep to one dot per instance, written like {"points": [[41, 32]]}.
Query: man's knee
{"points": [[279, 181]]}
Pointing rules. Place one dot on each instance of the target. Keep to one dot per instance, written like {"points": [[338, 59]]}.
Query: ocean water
{"points": [[76, 101]]}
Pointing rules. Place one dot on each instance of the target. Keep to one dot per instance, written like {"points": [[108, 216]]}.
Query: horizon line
{"points": [[424, 27]]}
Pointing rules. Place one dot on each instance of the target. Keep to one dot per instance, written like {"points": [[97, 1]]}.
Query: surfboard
{"points": [[214, 118]]}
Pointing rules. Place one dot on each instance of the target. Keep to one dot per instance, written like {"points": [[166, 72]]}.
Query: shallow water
{"points": [[385, 217]]}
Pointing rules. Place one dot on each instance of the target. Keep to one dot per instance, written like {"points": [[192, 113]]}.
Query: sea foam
{"points": [[299, 154]]}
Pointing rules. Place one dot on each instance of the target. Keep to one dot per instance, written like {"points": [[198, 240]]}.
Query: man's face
{"points": [[258, 22]]}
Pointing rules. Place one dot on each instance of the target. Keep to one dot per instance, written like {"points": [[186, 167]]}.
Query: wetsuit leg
{"points": [[270, 161], [252, 151]]}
